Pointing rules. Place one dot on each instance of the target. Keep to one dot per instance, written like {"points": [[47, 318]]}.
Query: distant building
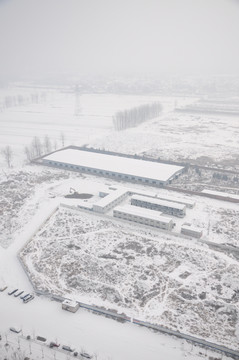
{"points": [[70, 305], [143, 216], [167, 207], [189, 230], [118, 167]]}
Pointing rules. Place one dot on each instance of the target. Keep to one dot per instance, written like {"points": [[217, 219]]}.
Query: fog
{"points": [[41, 38]]}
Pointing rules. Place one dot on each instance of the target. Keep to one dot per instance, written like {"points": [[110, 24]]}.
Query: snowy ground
{"points": [[30, 195], [96, 334], [175, 282], [54, 114], [180, 137]]}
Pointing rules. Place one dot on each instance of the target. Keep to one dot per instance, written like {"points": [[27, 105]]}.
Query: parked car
{"points": [[87, 356], [67, 348], [15, 329], [29, 298], [18, 293], [24, 296], [12, 292], [41, 338], [53, 344], [3, 288]]}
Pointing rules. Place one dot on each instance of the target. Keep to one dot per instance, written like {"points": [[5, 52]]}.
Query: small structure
{"points": [[189, 230], [221, 195], [143, 216], [70, 305], [167, 207]]}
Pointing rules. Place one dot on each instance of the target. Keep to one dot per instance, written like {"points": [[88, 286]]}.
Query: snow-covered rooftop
{"points": [[221, 193], [159, 202], [192, 228], [111, 197], [117, 164], [142, 212]]}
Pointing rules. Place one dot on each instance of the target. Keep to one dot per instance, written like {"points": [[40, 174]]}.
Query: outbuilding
{"points": [[70, 305]]}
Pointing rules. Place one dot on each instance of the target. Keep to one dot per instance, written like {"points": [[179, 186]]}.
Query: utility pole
{"points": [[77, 100]]}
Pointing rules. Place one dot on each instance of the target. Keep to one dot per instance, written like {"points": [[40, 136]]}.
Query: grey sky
{"points": [[51, 37]]}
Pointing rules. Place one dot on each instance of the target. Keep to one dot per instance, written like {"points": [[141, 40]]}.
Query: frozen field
{"points": [[176, 136], [175, 282], [53, 112]]}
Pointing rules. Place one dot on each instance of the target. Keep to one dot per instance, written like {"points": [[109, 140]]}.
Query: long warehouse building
{"points": [[167, 207], [118, 167], [143, 216]]}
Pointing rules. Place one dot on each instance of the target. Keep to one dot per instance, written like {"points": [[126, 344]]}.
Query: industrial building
{"points": [[189, 230], [167, 207], [143, 216], [109, 201], [118, 167]]}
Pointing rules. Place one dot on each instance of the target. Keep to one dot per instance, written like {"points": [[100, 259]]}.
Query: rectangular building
{"points": [[118, 167], [70, 305], [191, 231], [189, 203], [166, 207], [143, 216]]}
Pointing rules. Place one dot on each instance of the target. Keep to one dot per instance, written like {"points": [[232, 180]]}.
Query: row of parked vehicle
{"points": [[19, 293]]}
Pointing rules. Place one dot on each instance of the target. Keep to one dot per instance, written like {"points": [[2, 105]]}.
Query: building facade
{"points": [[166, 207], [143, 216]]}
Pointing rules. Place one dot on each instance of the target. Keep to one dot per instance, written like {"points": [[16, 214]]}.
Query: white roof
{"points": [[175, 199], [192, 228], [70, 303], [159, 202], [142, 212], [117, 164], [221, 193], [111, 197]]}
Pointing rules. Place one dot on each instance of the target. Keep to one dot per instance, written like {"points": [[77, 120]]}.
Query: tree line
{"points": [[135, 116], [35, 149]]}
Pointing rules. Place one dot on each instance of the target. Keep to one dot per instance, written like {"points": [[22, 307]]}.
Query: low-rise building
{"points": [[189, 203], [190, 230], [143, 216], [166, 207], [109, 201], [70, 305]]}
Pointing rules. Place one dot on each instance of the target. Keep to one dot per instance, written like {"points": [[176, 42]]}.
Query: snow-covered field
{"points": [[54, 114], [175, 282], [180, 137], [153, 275]]}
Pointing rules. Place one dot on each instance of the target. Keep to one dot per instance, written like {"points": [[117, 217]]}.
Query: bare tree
{"points": [[47, 144], [7, 154], [28, 154], [37, 146], [62, 139]]}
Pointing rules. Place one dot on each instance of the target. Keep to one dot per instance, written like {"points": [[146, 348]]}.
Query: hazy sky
{"points": [[51, 37]]}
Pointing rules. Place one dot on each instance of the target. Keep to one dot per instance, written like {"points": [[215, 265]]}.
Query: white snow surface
{"points": [[171, 136]]}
